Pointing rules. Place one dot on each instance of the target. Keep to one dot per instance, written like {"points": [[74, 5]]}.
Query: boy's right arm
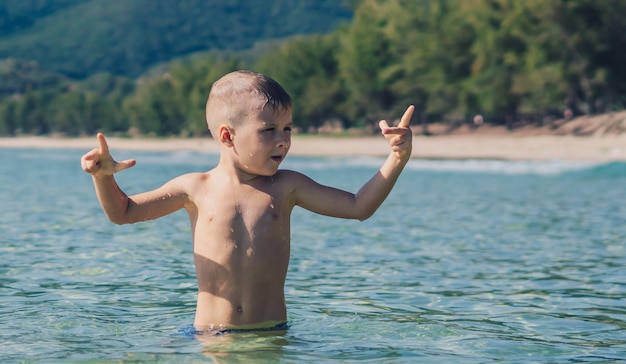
{"points": [[334, 202], [117, 206]]}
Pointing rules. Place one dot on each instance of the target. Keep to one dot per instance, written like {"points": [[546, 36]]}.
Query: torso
{"points": [[241, 250]]}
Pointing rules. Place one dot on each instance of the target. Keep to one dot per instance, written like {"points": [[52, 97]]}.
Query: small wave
{"points": [[493, 166], [463, 166], [501, 166], [610, 170], [190, 158], [326, 163]]}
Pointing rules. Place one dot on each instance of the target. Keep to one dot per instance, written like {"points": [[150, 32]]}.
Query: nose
{"points": [[283, 140]]}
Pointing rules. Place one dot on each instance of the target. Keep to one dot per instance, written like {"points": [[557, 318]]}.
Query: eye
{"points": [[268, 129], [288, 128]]}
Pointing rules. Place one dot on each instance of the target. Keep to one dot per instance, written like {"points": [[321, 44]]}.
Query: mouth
{"points": [[278, 158]]}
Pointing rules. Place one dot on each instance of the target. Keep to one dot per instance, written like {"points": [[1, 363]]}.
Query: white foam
{"points": [[553, 167]]}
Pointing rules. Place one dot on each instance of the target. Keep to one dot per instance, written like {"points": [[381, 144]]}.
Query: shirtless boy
{"points": [[240, 210]]}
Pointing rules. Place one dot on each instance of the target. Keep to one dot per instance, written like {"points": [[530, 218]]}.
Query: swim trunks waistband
{"points": [[191, 331]]}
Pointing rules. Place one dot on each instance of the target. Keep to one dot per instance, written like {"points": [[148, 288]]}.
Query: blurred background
{"points": [[476, 260], [145, 67]]}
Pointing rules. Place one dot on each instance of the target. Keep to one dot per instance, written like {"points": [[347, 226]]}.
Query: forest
{"points": [[513, 62]]}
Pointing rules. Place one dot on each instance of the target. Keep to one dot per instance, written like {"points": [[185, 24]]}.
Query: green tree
{"points": [[497, 51], [8, 117], [191, 80], [155, 108], [428, 49], [593, 47], [364, 53], [173, 103], [31, 112], [81, 112], [307, 68]]}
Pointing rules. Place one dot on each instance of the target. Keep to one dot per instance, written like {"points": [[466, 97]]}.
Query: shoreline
{"points": [[604, 148]]}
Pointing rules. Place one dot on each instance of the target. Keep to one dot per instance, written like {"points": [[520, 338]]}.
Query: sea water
{"points": [[467, 261]]}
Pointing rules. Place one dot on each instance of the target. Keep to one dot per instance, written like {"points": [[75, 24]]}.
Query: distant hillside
{"points": [[79, 38]]}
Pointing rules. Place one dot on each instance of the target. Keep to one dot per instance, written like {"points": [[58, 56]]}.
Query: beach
{"points": [[457, 146]]}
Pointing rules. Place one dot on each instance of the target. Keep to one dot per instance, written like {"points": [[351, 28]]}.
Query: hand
{"points": [[400, 138], [98, 162]]}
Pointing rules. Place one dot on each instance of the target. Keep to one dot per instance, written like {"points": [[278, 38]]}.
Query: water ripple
{"points": [[467, 261]]}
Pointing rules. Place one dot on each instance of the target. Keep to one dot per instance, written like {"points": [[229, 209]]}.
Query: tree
{"points": [[307, 68], [8, 117], [430, 59], [364, 53], [173, 103], [593, 40]]}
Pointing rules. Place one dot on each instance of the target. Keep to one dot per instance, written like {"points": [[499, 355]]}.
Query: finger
{"points": [[383, 124], [394, 139], [406, 118], [120, 166], [394, 130], [85, 164], [88, 165], [104, 147], [92, 154], [88, 160], [400, 140]]}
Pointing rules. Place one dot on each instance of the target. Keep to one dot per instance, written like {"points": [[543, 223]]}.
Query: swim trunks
{"points": [[190, 331]]}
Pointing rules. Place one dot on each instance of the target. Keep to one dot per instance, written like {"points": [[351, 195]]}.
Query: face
{"points": [[261, 143]]}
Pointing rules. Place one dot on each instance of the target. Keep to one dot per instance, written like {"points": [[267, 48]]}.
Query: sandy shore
{"points": [[538, 147]]}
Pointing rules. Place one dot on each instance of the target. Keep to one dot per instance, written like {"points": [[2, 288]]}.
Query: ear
{"points": [[226, 135]]}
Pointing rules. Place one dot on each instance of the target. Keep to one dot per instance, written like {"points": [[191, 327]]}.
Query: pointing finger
{"points": [[406, 118], [104, 147]]}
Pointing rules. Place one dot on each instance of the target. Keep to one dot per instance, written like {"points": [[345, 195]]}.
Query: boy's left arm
{"points": [[375, 191], [333, 202]]}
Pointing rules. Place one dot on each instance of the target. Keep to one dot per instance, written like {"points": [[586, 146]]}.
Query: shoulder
{"points": [[288, 175], [189, 178], [294, 181], [188, 182], [193, 177]]}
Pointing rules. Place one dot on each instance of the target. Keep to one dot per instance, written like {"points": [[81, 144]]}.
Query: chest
{"points": [[236, 210], [243, 222]]}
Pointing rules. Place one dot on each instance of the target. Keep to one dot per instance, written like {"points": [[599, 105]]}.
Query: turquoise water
{"points": [[466, 262]]}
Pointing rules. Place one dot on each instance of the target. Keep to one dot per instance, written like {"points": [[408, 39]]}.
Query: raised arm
{"points": [[334, 202], [117, 206]]}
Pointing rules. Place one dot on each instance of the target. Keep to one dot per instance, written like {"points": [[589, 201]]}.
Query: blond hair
{"points": [[233, 96]]}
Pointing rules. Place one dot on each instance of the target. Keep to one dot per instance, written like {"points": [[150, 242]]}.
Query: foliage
{"points": [[128, 37], [16, 16], [174, 103], [511, 61], [307, 68]]}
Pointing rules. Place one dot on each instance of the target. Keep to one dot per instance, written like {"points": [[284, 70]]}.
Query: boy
{"points": [[240, 210]]}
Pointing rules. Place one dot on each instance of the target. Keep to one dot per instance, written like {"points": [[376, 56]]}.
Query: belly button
{"points": [[239, 309]]}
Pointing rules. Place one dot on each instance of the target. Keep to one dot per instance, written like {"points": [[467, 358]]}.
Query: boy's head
{"points": [[236, 95]]}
